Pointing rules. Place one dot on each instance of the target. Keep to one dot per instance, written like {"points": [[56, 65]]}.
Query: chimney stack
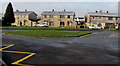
{"points": [[17, 10], [107, 11], [100, 11], [96, 11], [25, 9], [53, 10]]}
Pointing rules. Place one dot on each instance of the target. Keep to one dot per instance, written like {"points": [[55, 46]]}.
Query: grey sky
{"points": [[78, 7], [60, 0]]}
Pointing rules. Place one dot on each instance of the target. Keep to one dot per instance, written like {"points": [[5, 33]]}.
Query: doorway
{"points": [[110, 26], [61, 24]]}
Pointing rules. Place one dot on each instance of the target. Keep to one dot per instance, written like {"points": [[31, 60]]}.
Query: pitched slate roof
{"points": [[58, 13], [103, 14], [23, 12]]}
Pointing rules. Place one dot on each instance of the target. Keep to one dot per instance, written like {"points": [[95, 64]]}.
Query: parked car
{"points": [[42, 25]]}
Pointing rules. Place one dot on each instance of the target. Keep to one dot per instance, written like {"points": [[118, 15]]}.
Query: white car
{"points": [[42, 25]]}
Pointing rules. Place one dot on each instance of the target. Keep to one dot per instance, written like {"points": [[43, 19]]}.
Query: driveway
{"points": [[100, 48]]}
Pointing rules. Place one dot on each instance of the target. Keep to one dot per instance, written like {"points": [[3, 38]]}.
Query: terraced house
{"points": [[58, 18], [102, 20], [25, 18]]}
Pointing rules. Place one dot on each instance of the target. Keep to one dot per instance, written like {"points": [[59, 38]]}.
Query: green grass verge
{"points": [[49, 33], [110, 30], [53, 28]]}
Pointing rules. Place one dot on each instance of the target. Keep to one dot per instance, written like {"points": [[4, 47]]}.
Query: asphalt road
{"points": [[96, 49]]}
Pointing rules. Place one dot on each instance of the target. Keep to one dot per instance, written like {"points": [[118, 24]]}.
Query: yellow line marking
{"points": [[24, 65], [17, 52], [6, 44], [7, 47], [18, 61], [87, 35]]}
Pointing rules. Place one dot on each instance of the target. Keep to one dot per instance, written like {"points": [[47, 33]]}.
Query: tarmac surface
{"points": [[95, 49]]}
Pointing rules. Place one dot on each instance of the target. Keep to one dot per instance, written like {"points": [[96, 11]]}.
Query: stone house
{"points": [[102, 20], [25, 18], [58, 18]]}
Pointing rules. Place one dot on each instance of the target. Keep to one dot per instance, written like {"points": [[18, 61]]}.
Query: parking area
{"points": [[101, 48], [18, 55]]}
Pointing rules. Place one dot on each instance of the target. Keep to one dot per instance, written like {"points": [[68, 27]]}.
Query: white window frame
{"points": [[99, 18]]}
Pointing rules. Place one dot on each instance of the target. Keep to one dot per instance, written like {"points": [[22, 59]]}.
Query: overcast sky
{"points": [[80, 8], [60, 0]]}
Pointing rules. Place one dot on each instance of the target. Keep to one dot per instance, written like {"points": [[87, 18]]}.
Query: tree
{"points": [[9, 15]]}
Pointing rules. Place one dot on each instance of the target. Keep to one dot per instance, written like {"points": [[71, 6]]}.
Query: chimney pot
{"points": [[25, 9], [107, 11], [17, 10], [100, 11], [96, 11], [53, 10]]}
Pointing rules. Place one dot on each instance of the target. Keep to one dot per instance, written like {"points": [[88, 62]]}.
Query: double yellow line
{"points": [[20, 60]]}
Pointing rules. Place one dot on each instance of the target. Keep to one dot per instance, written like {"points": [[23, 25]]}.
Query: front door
{"points": [[51, 24], [109, 25], [20, 23], [61, 24]]}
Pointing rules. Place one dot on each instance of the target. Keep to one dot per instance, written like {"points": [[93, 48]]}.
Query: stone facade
{"points": [[25, 18], [102, 20], [58, 18]]}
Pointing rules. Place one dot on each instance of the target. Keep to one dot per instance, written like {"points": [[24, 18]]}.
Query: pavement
{"points": [[94, 49]]}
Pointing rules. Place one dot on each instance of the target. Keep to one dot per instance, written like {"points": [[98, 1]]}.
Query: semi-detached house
{"points": [[58, 18], [102, 20], [25, 18]]}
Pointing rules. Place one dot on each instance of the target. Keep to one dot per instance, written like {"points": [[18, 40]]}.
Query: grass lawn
{"points": [[49, 33], [110, 30], [43, 28], [52, 28]]}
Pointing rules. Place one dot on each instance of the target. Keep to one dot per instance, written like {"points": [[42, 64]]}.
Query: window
{"points": [[116, 18], [24, 16], [68, 16], [86, 19], [45, 16], [18, 22], [20, 16], [25, 22], [92, 25], [68, 23], [93, 17], [99, 25], [51, 23], [99, 17], [17, 17], [45, 21], [110, 18], [62, 16], [51, 16], [61, 24], [94, 22]]}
